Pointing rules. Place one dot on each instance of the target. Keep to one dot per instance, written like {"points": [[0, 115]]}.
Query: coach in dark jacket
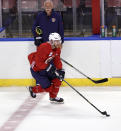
{"points": [[48, 21]]}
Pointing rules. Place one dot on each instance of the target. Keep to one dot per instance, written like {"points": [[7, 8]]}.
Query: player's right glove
{"points": [[53, 73], [38, 38]]}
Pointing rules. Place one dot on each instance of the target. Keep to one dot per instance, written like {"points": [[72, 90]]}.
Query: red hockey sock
{"points": [[37, 89], [55, 88]]}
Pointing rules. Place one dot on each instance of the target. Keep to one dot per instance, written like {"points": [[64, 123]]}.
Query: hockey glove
{"points": [[61, 74], [51, 71], [38, 38]]}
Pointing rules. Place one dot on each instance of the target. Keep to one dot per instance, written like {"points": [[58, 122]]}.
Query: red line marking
{"points": [[17, 117]]}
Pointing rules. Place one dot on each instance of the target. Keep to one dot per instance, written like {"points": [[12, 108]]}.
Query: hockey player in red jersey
{"points": [[46, 68]]}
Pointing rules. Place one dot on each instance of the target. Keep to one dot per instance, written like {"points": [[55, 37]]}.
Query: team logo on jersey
{"points": [[38, 30], [53, 19]]}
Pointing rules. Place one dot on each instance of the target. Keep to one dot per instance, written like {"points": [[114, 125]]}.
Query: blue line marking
{"points": [[94, 37]]}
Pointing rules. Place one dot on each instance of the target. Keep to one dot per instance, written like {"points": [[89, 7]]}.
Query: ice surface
{"points": [[74, 115]]}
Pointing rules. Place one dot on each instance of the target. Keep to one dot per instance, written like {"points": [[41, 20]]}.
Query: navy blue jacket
{"points": [[49, 24]]}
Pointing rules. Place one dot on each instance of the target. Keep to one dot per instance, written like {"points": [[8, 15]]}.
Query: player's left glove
{"points": [[61, 74]]}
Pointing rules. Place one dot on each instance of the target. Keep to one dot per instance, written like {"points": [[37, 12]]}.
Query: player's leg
{"points": [[56, 83], [42, 83]]}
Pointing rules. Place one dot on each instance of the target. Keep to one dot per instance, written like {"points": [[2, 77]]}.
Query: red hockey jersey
{"points": [[40, 59]]}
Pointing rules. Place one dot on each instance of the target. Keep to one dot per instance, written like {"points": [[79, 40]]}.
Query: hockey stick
{"points": [[95, 81], [102, 112]]}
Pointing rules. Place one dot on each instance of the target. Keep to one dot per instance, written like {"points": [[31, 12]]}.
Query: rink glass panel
{"points": [[17, 16], [112, 16]]}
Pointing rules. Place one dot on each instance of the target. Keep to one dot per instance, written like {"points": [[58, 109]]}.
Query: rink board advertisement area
{"points": [[97, 58]]}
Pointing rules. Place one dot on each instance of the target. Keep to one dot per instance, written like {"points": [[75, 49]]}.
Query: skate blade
{"points": [[55, 102]]}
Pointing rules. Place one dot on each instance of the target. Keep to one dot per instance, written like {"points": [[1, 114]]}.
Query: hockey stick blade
{"points": [[95, 81], [105, 113], [100, 81]]}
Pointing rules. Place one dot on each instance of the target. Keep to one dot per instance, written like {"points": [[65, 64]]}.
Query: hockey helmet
{"points": [[54, 36]]}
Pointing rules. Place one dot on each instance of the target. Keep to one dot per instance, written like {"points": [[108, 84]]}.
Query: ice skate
{"points": [[33, 95], [57, 100]]}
